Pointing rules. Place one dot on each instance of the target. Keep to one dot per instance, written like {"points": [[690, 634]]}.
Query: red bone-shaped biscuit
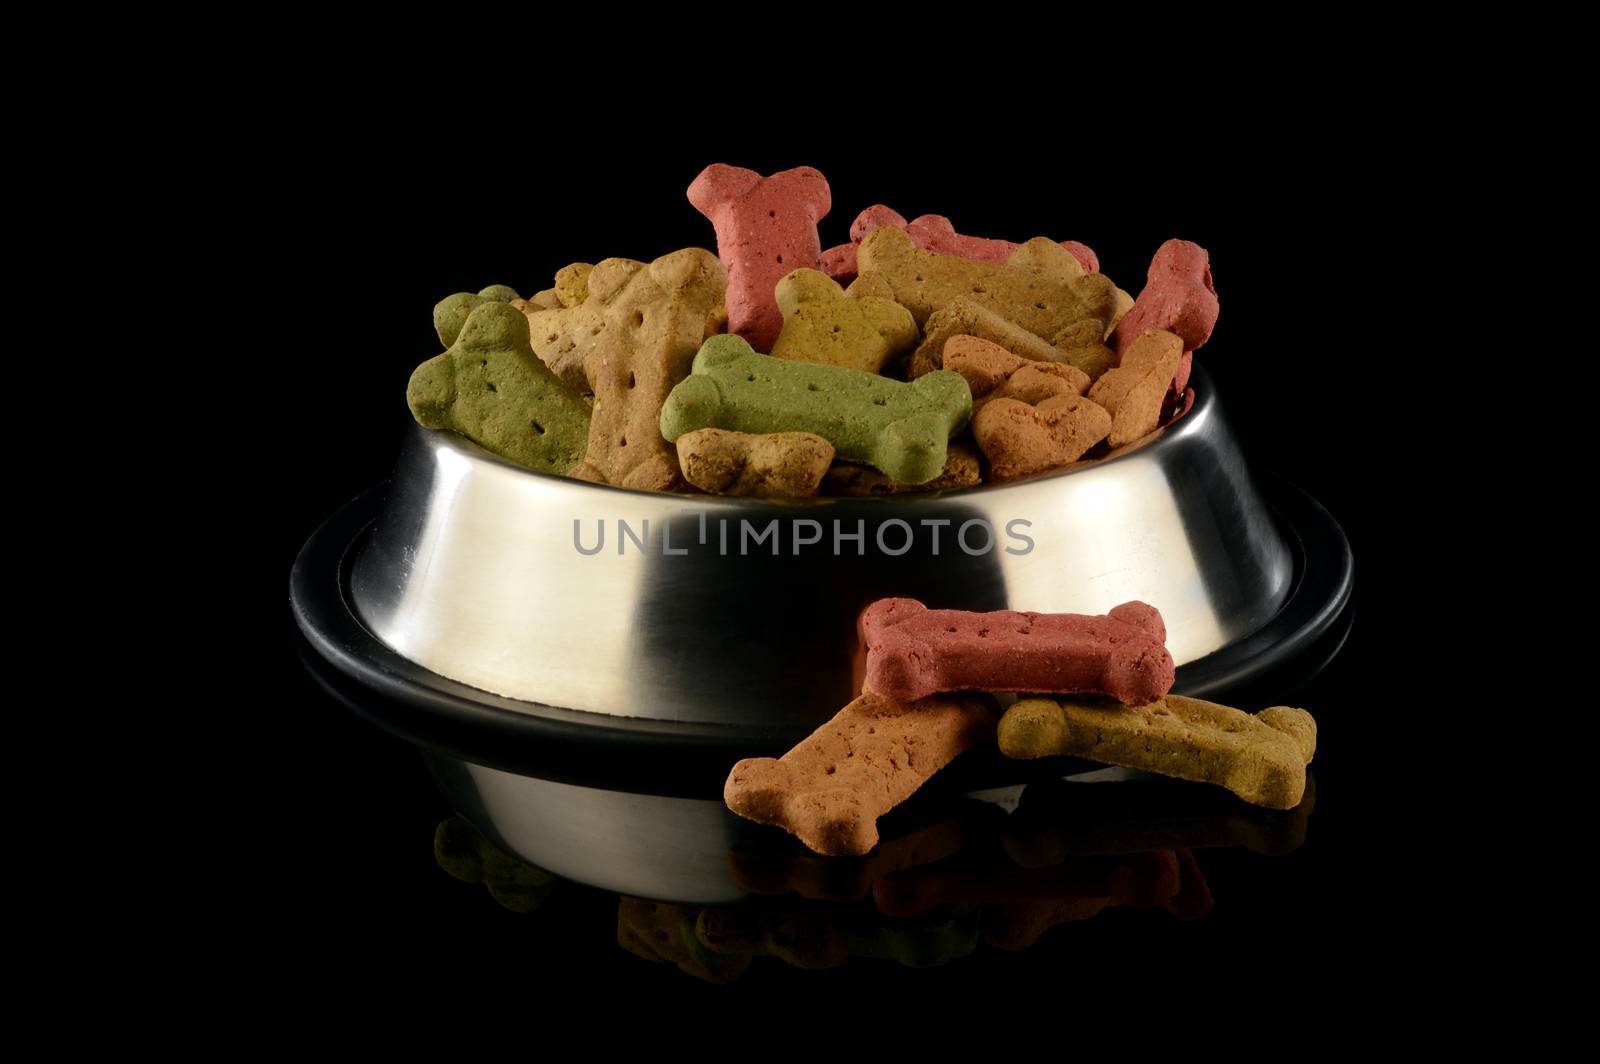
{"points": [[766, 227], [913, 652], [935, 233], [1179, 297]]}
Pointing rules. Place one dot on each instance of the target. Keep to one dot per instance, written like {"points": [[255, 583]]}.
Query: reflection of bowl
{"points": [[470, 569]]}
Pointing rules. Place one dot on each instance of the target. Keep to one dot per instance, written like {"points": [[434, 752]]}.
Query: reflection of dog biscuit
{"points": [[655, 318], [490, 388], [980, 879], [902, 429], [766, 227], [1135, 391], [1138, 880], [778, 465], [935, 233], [822, 324], [451, 312], [1260, 757], [961, 470], [831, 789], [465, 854], [817, 938], [659, 932], [893, 267], [913, 652]]}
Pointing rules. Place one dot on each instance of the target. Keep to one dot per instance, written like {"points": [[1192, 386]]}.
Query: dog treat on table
{"points": [[893, 267], [822, 324], [935, 233], [451, 312], [1260, 757], [766, 227], [901, 428], [961, 470], [776, 465], [653, 321], [831, 789], [1135, 391], [913, 652], [492, 389]]}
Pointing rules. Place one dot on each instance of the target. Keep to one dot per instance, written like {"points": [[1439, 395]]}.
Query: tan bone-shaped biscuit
{"points": [[564, 334], [831, 789], [774, 465], [1051, 259], [964, 317], [893, 267], [648, 322], [1135, 391], [1260, 757], [822, 324]]}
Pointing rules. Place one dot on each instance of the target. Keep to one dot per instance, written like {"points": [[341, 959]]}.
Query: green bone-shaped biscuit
{"points": [[900, 428], [451, 312], [491, 388]]}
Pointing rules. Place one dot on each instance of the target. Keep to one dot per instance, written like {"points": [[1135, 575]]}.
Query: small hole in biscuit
{"points": [[548, 339], [1041, 306], [638, 318], [811, 387], [832, 769], [596, 330], [772, 214], [951, 629], [538, 428], [780, 260], [630, 380], [751, 377], [622, 441], [492, 388], [977, 291], [485, 362]]}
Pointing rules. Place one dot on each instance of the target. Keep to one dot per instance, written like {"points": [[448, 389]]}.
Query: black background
{"points": [[383, 229]]}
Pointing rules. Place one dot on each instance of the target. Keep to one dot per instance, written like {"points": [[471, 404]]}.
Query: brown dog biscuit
{"points": [[893, 267], [777, 465], [822, 324], [966, 318], [831, 789], [1141, 880], [1260, 757], [961, 470], [992, 372], [647, 322], [564, 336], [1021, 440], [1135, 391]]}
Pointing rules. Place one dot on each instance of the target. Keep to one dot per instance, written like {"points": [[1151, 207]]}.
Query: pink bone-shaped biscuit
{"points": [[1179, 297], [913, 652], [766, 227], [935, 233]]}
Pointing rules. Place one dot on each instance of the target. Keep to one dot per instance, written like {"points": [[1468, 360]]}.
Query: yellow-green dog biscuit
{"points": [[1044, 256], [893, 267], [492, 389], [902, 429], [822, 324], [1261, 757], [451, 312]]}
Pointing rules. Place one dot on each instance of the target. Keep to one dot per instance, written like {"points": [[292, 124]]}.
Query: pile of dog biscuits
{"points": [[913, 358]]}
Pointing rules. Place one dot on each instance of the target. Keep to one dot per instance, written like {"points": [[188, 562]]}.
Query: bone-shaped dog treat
{"points": [[658, 932], [1260, 757], [492, 389], [992, 372], [831, 789], [819, 938], [1021, 439], [965, 318], [1135, 391], [779, 465], [895, 268], [766, 227], [451, 312], [564, 325], [913, 652], [935, 233], [1052, 260], [465, 854], [822, 324], [1178, 297], [961, 470], [1144, 880], [902, 429], [653, 320]]}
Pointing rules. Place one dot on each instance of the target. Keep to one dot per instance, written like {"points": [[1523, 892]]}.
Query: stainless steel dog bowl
{"points": [[467, 586]]}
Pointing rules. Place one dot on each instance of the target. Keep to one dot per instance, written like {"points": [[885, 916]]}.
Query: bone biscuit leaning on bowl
{"points": [[766, 227], [914, 652], [900, 428], [1178, 297], [830, 790], [492, 389], [1135, 392], [654, 320], [1260, 757], [936, 233]]}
